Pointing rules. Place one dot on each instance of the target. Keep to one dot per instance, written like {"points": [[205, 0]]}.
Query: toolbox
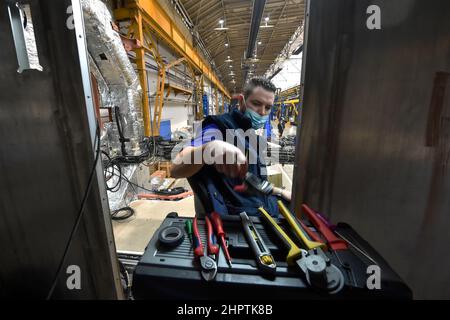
{"points": [[173, 272]]}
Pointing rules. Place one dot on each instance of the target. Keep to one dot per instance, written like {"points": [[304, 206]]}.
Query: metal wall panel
{"points": [[46, 156], [374, 144]]}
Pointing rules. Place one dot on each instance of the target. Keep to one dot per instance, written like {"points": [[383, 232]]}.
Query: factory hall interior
{"points": [[208, 150]]}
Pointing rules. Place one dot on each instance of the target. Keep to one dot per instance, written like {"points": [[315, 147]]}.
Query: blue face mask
{"points": [[258, 121]]}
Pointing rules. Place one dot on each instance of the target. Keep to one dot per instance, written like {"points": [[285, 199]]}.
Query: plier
{"points": [[333, 243], [327, 235], [320, 273], [207, 253]]}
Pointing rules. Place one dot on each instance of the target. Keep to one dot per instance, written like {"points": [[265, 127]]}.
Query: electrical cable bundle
{"points": [[116, 214], [113, 165], [165, 148]]}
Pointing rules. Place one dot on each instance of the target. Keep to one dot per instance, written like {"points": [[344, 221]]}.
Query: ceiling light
{"points": [[266, 25], [226, 45], [221, 25], [259, 43]]}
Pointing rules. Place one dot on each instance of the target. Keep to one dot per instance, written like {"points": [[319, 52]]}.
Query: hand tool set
{"points": [[306, 258], [285, 258], [309, 250]]}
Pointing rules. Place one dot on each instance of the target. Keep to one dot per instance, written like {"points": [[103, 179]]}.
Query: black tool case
{"points": [[173, 273]]}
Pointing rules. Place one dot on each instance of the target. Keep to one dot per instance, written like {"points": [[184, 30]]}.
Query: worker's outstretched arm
{"points": [[226, 158], [184, 165]]}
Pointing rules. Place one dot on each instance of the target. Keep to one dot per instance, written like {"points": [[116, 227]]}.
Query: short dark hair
{"points": [[258, 82]]}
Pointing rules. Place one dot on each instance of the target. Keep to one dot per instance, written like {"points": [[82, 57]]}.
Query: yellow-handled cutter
{"points": [[264, 258], [317, 268]]}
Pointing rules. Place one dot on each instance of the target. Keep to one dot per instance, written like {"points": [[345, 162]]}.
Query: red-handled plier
{"points": [[208, 264], [332, 241]]}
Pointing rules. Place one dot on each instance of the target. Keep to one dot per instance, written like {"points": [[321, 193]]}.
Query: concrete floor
{"points": [[135, 233]]}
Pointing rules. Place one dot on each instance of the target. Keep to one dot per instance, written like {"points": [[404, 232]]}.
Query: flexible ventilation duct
{"points": [[120, 84]]}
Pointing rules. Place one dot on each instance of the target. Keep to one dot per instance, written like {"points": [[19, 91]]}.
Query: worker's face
{"points": [[260, 101]]}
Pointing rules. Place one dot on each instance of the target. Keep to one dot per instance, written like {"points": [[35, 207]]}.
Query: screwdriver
{"points": [[188, 226], [217, 222]]}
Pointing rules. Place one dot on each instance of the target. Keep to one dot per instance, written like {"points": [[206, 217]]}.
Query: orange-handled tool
{"points": [[218, 226]]}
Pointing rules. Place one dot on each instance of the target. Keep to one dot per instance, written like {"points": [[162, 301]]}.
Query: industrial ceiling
{"points": [[245, 26]]}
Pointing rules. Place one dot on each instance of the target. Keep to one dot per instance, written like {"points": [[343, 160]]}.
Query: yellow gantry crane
{"points": [[148, 18], [288, 98]]}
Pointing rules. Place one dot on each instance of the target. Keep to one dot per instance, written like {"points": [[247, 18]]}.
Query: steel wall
{"points": [[374, 145], [46, 156]]}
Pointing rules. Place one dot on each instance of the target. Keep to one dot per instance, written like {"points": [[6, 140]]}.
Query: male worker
{"points": [[212, 170]]}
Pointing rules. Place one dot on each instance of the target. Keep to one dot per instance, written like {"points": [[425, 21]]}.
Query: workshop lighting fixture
{"points": [[266, 23], [221, 22]]}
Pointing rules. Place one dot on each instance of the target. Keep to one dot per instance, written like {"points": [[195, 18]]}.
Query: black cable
{"points": [[80, 215], [107, 166], [122, 138], [134, 184], [115, 214]]}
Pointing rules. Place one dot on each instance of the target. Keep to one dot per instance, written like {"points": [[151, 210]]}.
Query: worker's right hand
{"points": [[227, 158]]}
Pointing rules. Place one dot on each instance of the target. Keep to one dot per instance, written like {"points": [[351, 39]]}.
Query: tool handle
{"points": [[253, 236], [225, 249], [213, 248], [333, 241], [217, 221], [310, 233], [188, 226], [256, 243], [294, 251], [197, 241], [309, 245]]}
